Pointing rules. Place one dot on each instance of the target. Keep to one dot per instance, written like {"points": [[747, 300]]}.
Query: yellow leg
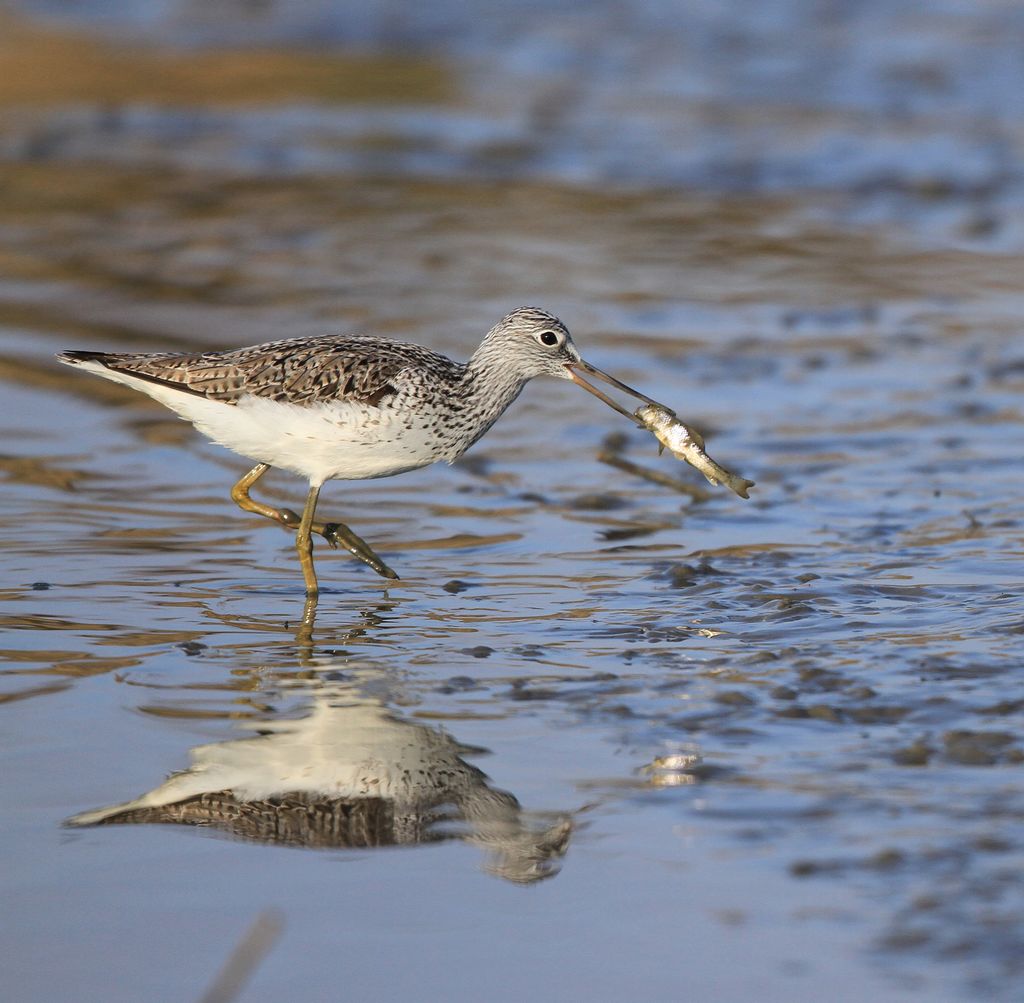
{"points": [[304, 542], [335, 533], [304, 631], [240, 496]]}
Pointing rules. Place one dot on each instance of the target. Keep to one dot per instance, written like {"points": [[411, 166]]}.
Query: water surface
{"points": [[668, 742]]}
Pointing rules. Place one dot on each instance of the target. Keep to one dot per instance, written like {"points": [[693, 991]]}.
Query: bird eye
{"points": [[549, 338]]}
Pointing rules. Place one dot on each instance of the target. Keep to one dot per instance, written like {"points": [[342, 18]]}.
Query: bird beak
{"points": [[600, 394]]}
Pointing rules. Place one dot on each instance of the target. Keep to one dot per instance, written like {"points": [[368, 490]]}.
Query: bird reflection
{"points": [[350, 774]]}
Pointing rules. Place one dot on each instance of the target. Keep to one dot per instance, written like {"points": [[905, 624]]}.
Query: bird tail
{"points": [[79, 358]]}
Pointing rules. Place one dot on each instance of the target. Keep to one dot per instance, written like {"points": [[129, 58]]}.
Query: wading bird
{"points": [[350, 408]]}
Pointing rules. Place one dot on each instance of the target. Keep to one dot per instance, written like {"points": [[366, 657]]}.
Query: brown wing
{"points": [[300, 371]]}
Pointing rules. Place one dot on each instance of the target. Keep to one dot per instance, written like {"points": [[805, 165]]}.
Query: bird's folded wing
{"points": [[299, 371]]}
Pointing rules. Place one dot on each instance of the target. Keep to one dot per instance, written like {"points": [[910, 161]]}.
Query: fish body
{"points": [[686, 444]]}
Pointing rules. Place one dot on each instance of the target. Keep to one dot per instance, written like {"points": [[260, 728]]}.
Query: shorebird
{"points": [[350, 408]]}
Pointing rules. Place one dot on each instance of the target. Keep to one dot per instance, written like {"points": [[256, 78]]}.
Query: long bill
{"points": [[601, 395]]}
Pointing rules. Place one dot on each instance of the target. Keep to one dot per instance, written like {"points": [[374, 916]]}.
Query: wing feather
{"points": [[300, 371]]}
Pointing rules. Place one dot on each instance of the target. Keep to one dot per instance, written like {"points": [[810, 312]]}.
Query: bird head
{"points": [[532, 342]]}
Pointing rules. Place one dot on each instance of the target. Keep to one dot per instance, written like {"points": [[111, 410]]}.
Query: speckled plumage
{"points": [[300, 371], [347, 408]]}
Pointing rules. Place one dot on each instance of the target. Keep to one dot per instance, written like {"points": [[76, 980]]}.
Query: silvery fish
{"points": [[687, 445]]}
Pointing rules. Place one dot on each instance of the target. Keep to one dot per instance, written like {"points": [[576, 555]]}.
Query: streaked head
{"points": [[533, 342]]}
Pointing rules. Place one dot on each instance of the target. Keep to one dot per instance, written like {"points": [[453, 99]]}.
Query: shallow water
{"points": [[764, 748]]}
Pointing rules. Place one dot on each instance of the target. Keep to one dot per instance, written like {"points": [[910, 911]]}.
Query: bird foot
{"points": [[339, 535], [330, 534]]}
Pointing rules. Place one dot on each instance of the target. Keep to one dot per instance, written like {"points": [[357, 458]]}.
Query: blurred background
{"points": [[762, 749], [907, 111]]}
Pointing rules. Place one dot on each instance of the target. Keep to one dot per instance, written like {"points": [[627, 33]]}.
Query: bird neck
{"points": [[487, 386], [492, 383]]}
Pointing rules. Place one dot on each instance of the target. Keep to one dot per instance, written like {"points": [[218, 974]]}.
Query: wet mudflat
{"points": [[662, 742]]}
